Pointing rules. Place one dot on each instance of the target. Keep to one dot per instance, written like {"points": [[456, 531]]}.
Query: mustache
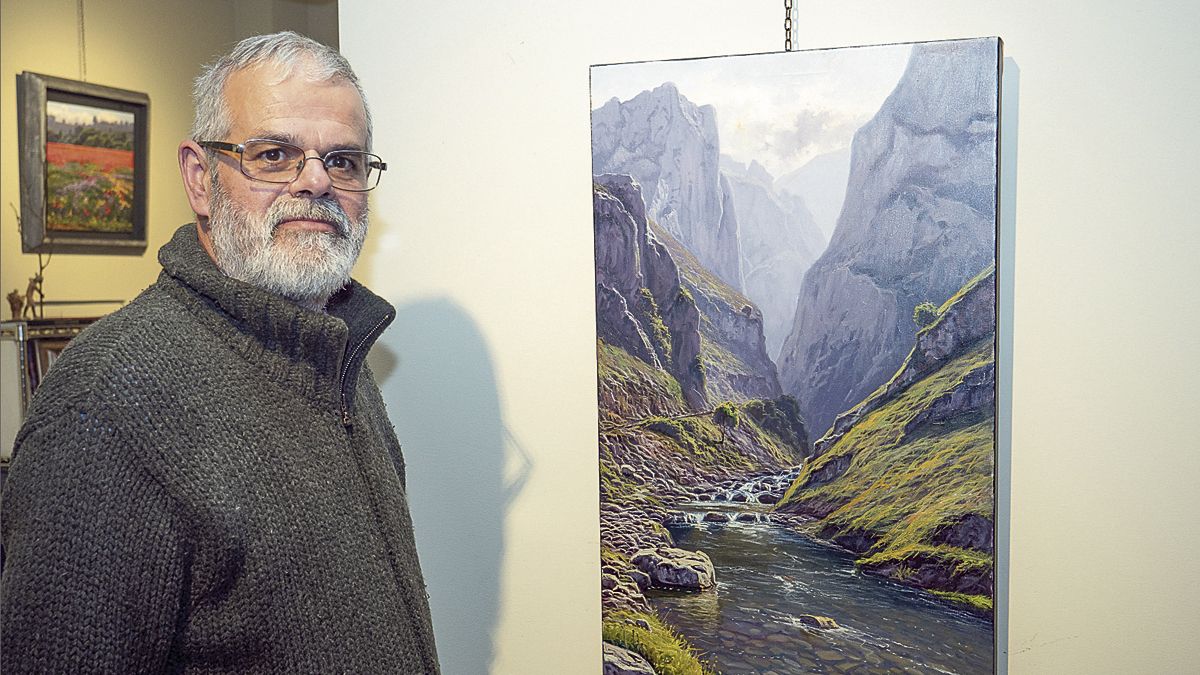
{"points": [[323, 210]]}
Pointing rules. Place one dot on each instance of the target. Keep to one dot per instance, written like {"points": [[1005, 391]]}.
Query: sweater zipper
{"points": [[346, 422]]}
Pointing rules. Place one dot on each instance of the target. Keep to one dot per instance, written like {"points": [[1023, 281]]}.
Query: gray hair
{"points": [[287, 49]]}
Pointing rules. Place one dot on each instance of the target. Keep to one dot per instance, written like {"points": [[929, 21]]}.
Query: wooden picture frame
{"points": [[84, 160]]}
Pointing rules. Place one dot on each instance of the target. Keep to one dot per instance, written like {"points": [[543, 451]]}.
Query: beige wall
{"points": [[151, 46], [483, 239]]}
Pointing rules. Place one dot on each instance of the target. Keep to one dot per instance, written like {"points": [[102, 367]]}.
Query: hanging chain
{"points": [[82, 47], [787, 25]]}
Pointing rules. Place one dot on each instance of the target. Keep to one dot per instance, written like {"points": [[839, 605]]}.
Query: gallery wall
{"points": [[482, 238], [152, 46]]}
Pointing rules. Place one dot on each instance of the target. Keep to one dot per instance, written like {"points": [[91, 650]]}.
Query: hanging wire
{"points": [[82, 43], [787, 25]]}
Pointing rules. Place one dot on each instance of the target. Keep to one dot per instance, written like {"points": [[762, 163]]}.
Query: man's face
{"points": [[299, 239]]}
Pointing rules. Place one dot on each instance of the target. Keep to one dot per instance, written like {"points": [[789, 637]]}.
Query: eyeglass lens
{"points": [[282, 163]]}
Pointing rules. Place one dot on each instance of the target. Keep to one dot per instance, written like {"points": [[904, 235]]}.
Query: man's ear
{"points": [[193, 167]]}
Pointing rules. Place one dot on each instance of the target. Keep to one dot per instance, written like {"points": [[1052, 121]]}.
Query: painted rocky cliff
{"points": [[640, 305], [904, 479], [917, 223], [733, 351], [688, 400], [779, 242], [669, 146], [675, 342]]}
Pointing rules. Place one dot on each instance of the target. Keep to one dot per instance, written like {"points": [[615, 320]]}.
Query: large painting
{"points": [[796, 327]]}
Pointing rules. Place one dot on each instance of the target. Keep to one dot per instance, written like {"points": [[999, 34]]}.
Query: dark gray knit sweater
{"points": [[207, 482]]}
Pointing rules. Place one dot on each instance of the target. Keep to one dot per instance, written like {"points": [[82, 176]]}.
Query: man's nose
{"points": [[312, 181]]}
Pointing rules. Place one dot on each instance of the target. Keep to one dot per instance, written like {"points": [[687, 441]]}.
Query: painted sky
{"points": [[73, 113], [781, 109]]}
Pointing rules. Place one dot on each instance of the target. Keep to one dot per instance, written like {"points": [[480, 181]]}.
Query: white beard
{"points": [[302, 266]]}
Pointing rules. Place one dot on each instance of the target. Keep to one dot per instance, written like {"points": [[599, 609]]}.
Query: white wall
{"points": [[483, 239]]}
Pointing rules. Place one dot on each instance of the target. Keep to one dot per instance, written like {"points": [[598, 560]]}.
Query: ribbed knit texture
{"points": [[185, 495]]}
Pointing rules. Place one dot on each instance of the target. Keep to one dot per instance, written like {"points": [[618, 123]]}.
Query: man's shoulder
{"points": [[108, 377], [119, 345], [150, 313]]}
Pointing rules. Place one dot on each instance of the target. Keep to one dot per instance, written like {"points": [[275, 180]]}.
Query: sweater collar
{"points": [[335, 343]]}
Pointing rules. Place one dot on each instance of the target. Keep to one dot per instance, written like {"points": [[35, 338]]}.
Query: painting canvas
{"points": [[89, 168], [796, 329], [84, 158]]}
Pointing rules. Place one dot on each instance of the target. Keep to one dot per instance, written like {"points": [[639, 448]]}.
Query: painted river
{"points": [[767, 576]]}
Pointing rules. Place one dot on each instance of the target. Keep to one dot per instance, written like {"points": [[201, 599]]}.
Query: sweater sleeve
{"points": [[94, 571]]}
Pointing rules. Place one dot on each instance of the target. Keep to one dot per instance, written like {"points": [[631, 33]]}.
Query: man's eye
{"points": [[272, 155], [341, 162]]}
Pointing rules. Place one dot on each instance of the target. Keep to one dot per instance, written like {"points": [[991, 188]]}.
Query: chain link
{"points": [[82, 42], [787, 25]]}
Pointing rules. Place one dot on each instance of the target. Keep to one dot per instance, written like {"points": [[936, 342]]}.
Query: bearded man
{"points": [[207, 480]]}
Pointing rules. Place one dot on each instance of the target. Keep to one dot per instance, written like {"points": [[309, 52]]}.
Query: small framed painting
{"points": [[84, 152]]}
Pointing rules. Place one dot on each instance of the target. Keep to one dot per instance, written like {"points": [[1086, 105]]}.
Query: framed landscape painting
{"points": [[83, 165], [796, 343]]}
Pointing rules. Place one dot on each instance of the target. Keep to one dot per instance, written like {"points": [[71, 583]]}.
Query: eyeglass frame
{"points": [[240, 149]]}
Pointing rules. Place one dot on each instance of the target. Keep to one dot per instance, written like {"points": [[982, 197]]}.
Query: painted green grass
{"points": [[900, 488], [907, 490], [779, 448], [665, 649], [89, 198], [721, 361], [662, 334], [700, 439], [613, 558], [697, 438], [881, 432], [967, 287], [613, 486], [713, 353], [978, 604], [617, 367]]}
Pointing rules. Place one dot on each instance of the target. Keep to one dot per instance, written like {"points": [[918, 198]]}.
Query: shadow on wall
{"points": [[437, 377]]}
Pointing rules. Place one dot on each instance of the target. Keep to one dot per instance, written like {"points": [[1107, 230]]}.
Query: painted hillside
{"points": [[905, 479]]}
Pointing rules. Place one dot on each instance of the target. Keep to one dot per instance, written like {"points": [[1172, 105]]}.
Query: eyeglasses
{"points": [[278, 162]]}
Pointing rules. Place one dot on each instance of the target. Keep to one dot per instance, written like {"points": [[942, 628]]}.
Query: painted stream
{"points": [[767, 576]]}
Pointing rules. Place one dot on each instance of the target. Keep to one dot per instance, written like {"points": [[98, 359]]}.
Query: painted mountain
{"points": [[796, 430], [918, 221], [779, 241], [823, 179], [669, 146]]}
